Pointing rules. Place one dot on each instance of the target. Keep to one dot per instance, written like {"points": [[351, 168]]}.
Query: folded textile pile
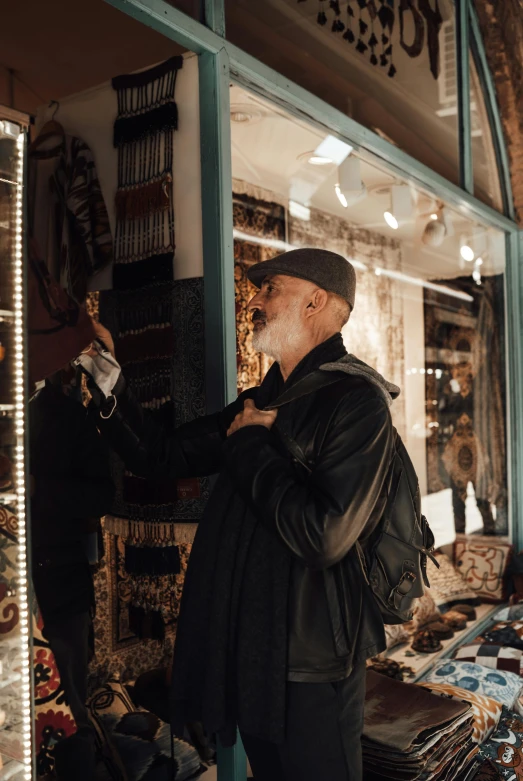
{"points": [[410, 733]]}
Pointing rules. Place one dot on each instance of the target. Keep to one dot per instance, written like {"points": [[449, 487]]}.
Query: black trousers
{"points": [[324, 723]]}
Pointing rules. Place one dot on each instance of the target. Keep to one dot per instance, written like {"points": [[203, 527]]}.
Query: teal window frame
{"points": [[220, 63]]}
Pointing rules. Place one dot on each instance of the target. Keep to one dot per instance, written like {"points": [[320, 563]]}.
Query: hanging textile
{"points": [[158, 334], [143, 135], [67, 217], [465, 374]]}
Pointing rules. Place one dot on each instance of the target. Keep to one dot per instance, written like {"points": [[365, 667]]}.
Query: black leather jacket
{"points": [[346, 433]]}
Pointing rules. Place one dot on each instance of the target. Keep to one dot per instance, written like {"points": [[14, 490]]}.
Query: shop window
{"points": [[487, 186], [193, 8], [391, 67], [429, 311]]}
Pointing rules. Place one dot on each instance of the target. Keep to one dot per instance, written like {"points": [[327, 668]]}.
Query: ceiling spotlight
{"points": [[479, 261], [350, 184], [319, 160], [435, 231], [401, 207], [333, 149], [340, 195], [391, 220], [467, 253]]}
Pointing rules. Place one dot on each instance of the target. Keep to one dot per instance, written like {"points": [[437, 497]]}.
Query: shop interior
{"points": [[429, 316]]}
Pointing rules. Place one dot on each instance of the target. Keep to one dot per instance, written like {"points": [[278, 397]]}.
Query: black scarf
{"points": [[230, 663]]}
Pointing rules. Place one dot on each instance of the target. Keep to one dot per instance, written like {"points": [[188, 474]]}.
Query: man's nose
{"points": [[254, 303]]}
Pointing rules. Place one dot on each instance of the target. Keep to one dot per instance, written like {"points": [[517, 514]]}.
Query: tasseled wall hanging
{"points": [[143, 134], [145, 314], [158, 334], [360, 28]]}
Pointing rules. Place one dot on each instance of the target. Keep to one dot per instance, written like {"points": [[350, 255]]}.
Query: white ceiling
{"points": [[267, 150]]}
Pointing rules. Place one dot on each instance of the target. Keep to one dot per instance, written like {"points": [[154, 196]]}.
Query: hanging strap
{"points": [[313, 382]]}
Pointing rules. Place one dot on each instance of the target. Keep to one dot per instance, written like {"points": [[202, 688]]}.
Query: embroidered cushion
{"points": [[486, 710], [483, 563], [504, 749], [505, 633], [497, 657], [447, 586], [136, 743], [505, 687]]}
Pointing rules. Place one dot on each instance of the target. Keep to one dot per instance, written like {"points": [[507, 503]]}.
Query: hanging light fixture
{"points": [[401, 206], [391, 220], [350, 188], [466, 251]]}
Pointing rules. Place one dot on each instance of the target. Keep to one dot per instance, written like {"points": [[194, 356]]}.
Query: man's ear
{"points": [[317, 302]]}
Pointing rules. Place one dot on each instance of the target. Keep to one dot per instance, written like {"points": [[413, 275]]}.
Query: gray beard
{"points": [[280, 335]]}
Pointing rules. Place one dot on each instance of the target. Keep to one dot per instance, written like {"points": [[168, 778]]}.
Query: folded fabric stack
{"points": [[410, 733]]}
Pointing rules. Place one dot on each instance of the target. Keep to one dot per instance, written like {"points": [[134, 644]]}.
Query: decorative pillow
{"points": [[486, 711], [447, 586], [497, 657], [138, 742], [396, 634], [504, 687], [504, 749], [511, 613], [483, 564], [505, 633]]}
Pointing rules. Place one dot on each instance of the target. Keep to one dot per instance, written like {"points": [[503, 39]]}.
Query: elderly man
{"points": [[277, 618]]}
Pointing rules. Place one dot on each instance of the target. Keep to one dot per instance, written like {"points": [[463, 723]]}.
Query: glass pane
{"points": [[429, 311], [390, 69], [190, 7], [487, 185]]}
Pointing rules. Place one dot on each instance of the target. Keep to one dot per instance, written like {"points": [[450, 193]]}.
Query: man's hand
{"points": [[104, 335], [251, 416]]}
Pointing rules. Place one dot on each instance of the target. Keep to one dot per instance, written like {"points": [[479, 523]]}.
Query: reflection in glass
{"points": [[487, 186], [429, 311], [391, 67]]}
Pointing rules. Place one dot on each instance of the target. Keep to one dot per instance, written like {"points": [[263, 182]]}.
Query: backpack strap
{"points": [[313, 382]]}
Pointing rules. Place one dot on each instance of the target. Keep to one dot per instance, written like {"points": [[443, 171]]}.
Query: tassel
{"points": [[338, 26], [335, 5], [322, 18], [139, 202], [127, 130]]}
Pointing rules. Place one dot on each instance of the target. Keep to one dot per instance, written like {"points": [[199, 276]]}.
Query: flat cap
{"points": [[328, 270]]}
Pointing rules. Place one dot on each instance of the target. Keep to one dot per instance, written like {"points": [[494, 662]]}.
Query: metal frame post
{"points": [[466, 163]]}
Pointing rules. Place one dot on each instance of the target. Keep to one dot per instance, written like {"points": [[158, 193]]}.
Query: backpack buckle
{"points": [[404, 586]]}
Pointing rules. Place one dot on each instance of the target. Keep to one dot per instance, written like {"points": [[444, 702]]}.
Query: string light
{"points": [[19, 405]]}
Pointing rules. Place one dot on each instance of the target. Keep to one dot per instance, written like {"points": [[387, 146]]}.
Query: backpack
{"points": [[394, 557]]}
